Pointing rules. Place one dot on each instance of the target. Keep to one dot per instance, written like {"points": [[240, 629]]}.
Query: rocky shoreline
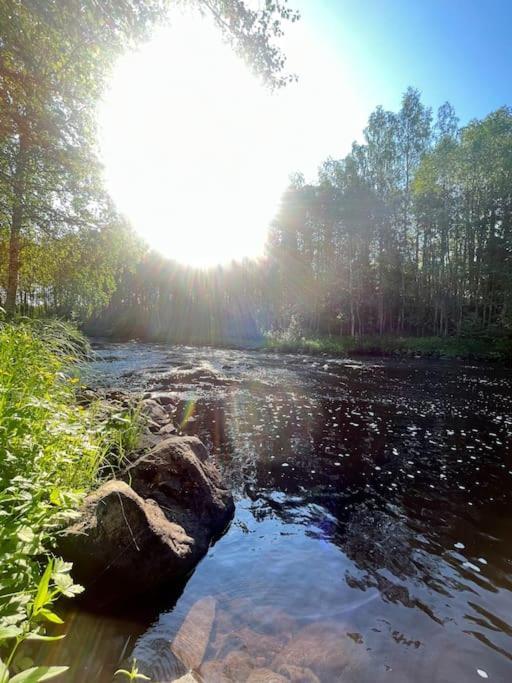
{"points": [[152, 523], [150, 526]]}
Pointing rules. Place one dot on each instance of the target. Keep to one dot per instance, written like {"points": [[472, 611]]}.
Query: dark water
{"points": [[373, 532]]}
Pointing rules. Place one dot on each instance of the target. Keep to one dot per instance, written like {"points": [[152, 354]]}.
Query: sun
{"points": [[193, 146]]}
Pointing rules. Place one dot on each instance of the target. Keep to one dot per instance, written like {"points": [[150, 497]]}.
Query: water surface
{"points": [[373, 526]]}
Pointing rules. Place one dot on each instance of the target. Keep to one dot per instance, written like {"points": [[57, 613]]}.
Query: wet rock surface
{"points": [[191, 641], [165, 511], [176, 475], [159, 521], [119, 530]]}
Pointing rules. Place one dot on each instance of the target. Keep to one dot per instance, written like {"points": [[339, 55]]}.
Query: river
{"points": [[373, 511]]}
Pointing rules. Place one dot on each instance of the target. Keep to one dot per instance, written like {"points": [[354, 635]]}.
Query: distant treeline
{"points": [[408, 234], [164, 301]]}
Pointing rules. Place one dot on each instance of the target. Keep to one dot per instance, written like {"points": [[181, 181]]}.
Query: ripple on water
{"points": [[373, 530]]}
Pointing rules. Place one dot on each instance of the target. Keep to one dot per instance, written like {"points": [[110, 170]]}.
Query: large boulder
{"points": [[177, 475], [123, 543], [136, 535]]}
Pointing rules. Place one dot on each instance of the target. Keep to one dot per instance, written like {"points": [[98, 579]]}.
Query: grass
{"points": [[433, 347], [52, 452]]}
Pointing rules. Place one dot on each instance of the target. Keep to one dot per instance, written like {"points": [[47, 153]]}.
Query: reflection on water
{"points": [[372, 537]]}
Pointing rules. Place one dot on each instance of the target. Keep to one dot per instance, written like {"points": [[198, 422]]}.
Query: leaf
{"points": [[42, 590], [66, 586], [9, 632], [50, 616], [25, 534], [61, 567], [47, 639], [55, 497], [38, 673]]}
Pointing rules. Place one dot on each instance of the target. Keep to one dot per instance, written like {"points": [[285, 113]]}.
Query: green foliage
{"points": [[54, 582], [485, 348], [53, 451], [410, 234], [133, 674], [65, 241]]}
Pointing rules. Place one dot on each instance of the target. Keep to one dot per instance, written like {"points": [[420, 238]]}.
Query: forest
{"points": [[408, 235]]}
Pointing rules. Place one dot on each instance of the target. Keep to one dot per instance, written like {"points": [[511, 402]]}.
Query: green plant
{"points": [[53, 452], [29, 626], [133, 674]]}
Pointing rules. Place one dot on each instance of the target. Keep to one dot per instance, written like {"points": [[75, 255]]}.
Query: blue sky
{"points": [[456, 50]]}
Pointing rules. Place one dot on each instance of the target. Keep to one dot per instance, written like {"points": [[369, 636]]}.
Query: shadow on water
{"points": [[372, 536]]}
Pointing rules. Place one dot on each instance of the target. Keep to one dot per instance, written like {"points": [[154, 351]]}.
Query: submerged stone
{"points": [[192, 639], [266, 676]]}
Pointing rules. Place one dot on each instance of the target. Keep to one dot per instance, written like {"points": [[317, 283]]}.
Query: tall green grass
{"points": [[52, 452]]}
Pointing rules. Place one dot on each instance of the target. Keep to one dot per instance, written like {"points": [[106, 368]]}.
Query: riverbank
{"points": [[55, 450], [94, 482], [463, 348]]}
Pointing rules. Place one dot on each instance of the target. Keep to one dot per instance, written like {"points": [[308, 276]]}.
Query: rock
{"points": [[130, 539], [323, 647], [152, 426], [256, 644], [298, 674], [265, 676], [271, 621], [238, 665], [147, 440], [154, 412], [239, 609], [155, 660], [118, 531], [187, 678], [223, 622], [86, 395], [176, 475], [192, 639], [187, 374], [119, 396], [167, 430], [213, 672], [164, 398]]}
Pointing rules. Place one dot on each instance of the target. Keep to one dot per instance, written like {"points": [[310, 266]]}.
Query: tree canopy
{"points": [[54, 61]]}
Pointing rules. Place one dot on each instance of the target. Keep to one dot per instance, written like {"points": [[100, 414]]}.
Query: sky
{"points": [[456, 50], [197, 153]]}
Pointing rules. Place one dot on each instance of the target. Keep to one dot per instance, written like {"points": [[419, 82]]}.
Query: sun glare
{"points": [[187, 136], [197, 152]]}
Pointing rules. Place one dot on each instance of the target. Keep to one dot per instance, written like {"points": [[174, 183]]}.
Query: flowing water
{"points": [[372, 539]]}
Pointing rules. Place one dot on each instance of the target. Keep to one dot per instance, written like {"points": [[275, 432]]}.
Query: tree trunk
{"points": [[16, 225]]}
